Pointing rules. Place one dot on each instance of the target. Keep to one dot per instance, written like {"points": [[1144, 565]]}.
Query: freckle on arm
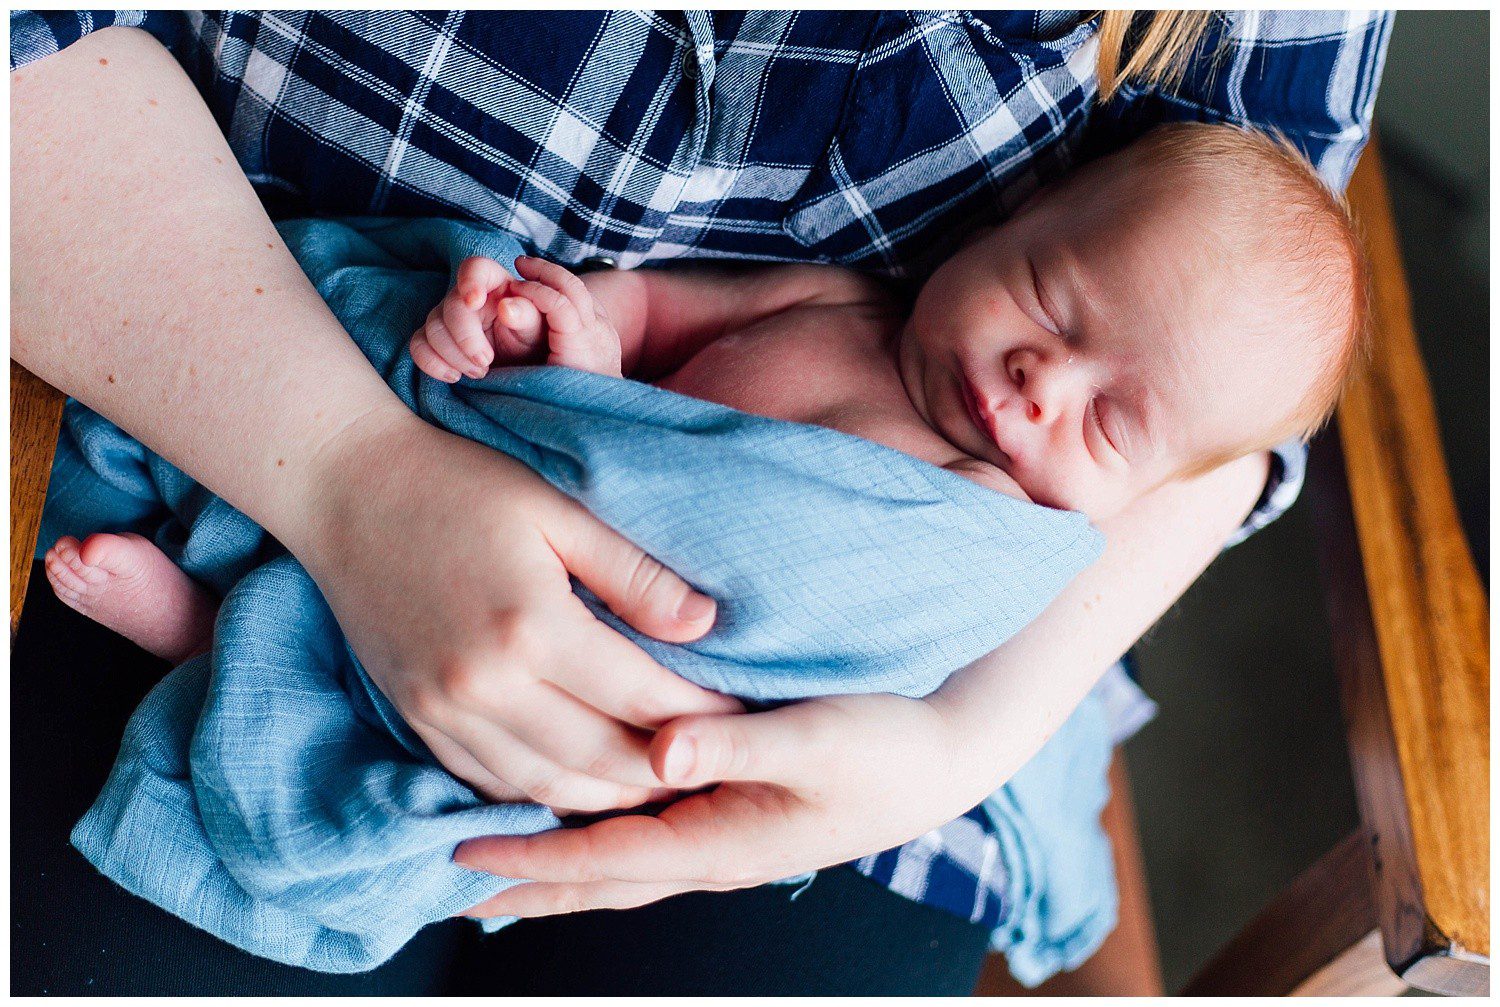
{"points": [[260, 290], [103, 62]]}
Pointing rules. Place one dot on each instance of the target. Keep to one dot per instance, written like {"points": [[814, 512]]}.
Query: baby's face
{"points": [[1094, 352]]}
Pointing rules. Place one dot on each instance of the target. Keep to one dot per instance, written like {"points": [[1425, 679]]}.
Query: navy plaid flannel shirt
{"points": [[872, 139]]}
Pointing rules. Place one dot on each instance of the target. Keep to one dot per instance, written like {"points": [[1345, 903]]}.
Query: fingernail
{"points": [[678, 765], [451, 376], [695, 607]]}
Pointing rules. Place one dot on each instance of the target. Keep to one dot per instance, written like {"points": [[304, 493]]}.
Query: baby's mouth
{"points": [[984, 421]]}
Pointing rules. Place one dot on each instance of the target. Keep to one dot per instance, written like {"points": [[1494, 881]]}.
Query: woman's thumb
{"points": [[635, 586], [699, 750]]}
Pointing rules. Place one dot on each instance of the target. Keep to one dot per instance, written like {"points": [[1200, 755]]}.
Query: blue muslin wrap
{"points": [[268, 793]]}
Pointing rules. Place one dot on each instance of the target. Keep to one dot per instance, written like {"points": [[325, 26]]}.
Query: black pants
{"points": [[76, 933]]}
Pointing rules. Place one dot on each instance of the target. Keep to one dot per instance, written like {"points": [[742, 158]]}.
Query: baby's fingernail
{"points": [[677, 767], [695, 607], [473, 299]]}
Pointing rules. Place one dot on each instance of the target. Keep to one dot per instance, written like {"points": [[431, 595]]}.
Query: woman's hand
{"points": [[807, 786], [830, 780], [447, 566]]}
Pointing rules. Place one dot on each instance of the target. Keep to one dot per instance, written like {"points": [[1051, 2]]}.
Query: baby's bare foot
{"points": [[130, 586]]}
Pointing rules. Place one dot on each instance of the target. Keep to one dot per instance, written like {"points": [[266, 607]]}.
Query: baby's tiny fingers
{"points": [[561, 314], [518, 327], [477, 276], [428, 362], [447, 347], [560, 278], [464, 325]]}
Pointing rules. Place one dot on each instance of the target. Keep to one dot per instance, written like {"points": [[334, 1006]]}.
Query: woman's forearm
{"points": [[1007, 704], [148, 282]]}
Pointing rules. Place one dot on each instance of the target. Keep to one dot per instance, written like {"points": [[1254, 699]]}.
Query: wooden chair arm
{"points": [[1404, 900], [1410, 625], [35, 414]]}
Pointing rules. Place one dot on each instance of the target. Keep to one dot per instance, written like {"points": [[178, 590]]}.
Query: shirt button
{"points": [[596, 262]]}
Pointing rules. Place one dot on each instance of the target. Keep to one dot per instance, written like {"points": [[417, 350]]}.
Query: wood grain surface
{"points": [[35, 413], [1428, 608]]}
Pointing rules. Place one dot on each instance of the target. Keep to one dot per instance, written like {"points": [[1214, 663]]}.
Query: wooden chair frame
{"points": [[1403, 900]]}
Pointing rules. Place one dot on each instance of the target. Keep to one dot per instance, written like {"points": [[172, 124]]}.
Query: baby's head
{"points": [[1194, 298]]}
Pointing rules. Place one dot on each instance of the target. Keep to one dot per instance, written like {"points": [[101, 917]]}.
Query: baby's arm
{"points": [[646, 323], [666, 316]]}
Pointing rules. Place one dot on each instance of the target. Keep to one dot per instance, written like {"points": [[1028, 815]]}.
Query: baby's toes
{"points": [[69, 553], [66, 583], [122, 556]]}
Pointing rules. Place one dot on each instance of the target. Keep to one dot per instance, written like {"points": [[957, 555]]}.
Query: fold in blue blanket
{"points": [[268, 793]]}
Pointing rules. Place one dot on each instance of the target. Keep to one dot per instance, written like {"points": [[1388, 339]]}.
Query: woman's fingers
{"points": [[637, 848], [463, 765], [712, 838], [540, 778], [635, 586], [539, 898], [618, 679], [578, 737]]}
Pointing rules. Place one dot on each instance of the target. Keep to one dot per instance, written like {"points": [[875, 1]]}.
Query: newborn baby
{"points": [[1194, 298]]}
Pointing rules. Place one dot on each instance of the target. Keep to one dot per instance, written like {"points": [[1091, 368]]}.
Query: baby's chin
{"points": [[1093, 507]]}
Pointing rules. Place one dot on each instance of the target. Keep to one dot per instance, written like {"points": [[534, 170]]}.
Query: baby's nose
{"points": [[1040, 384]]}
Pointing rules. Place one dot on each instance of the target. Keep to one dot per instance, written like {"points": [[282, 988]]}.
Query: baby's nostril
{"points": [[1033, 411]]}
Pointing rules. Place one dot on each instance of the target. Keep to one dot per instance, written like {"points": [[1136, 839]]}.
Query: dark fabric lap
{"points": [[74, 685]]}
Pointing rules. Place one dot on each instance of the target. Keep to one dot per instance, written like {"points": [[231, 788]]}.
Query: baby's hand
{"points": [[490, 317], [477, 324], [579, 332]]}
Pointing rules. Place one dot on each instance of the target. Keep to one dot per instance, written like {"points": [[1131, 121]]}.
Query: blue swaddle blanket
{"points": [[268, 793]]}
